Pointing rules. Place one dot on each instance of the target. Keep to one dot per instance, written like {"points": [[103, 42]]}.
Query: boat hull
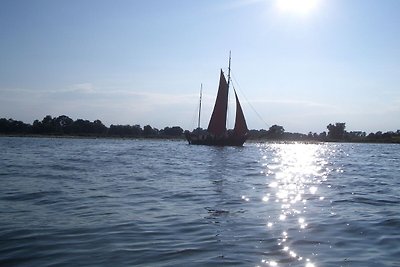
{"points": [[209, 140]]}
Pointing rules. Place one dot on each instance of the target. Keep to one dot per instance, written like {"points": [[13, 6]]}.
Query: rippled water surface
{"points": [[101, 202]]}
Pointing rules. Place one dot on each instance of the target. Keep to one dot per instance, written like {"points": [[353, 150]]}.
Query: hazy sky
{"points": [[142, 62]]}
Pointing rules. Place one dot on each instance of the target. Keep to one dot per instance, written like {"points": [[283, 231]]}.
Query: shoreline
{"points": [[166, 138]]}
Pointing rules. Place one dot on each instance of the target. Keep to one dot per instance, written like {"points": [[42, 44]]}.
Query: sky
{"points": [[301, 64]]}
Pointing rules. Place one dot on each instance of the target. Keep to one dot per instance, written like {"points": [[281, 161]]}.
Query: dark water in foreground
{"points": [[88, 202]]}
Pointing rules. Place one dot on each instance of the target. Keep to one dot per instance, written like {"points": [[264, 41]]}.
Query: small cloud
{"points": [[83, 87]]}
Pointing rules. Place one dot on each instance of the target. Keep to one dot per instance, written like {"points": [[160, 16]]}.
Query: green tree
{"points": [[148, 131], [63, 124], [276, 132], [336, 131], [172, 131], [47, 125]]}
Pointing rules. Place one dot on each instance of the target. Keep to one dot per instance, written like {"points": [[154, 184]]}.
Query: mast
{"points": [[201, 92], [228, 83], [229, 70]]}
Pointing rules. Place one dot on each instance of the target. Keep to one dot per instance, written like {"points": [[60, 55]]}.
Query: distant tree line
{"points": [[336, 133], [65, 126]]}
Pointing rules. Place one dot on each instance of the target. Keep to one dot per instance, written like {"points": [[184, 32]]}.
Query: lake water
{"points": [[106, 202]]}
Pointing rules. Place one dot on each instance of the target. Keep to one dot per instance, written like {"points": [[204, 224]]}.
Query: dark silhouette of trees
{"points": [[65, 126], [85, 127], [173, 131], [99, 127], [148, 131], [257, 134], [48, 125], [322, 136], [125, 130], [10, 126], [295, 137], [337, 131], [275, 132], [387, 137]]}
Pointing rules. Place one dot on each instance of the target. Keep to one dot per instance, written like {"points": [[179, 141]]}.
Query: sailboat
{"points": [[217, 133]]}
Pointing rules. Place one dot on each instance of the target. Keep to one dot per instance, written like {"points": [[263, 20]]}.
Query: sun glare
{"points": [[301, 7]]}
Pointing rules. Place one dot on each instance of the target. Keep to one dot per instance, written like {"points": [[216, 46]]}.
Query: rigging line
{"points": [[241, 92], [194, 116]]}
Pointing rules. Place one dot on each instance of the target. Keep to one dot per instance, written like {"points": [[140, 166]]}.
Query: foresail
{"points": [[240, 122], [217, 125]]}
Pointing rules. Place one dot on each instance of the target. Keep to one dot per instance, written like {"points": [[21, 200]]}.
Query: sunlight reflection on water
{"points": [[294, 174]]}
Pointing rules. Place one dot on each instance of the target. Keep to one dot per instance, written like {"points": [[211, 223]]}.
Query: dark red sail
{"points": [[217, 125], [240, 129]]}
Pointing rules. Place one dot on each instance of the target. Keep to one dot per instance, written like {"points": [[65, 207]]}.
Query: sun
{"points": [[301, 7]]}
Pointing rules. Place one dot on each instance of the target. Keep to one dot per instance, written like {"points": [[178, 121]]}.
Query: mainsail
{"points": [[217, 125]]}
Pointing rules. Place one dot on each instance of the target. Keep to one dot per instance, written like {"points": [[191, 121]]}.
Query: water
{"points": [[101, 202]]}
